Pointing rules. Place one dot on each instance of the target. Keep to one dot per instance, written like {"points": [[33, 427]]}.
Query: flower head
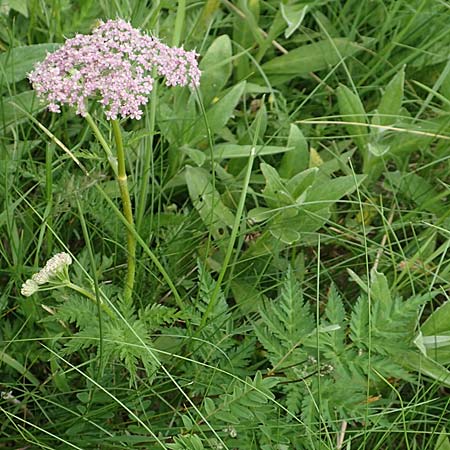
{"points": [[55, 267], [29, 288], [114, 65]]}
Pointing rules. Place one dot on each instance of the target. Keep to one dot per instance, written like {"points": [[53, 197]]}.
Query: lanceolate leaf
{"points": [[309, 58], [296, 160], [226, 151], [216, 216], [218, 115], [426, 366], [352, 111], [437, 328], [216, 68], [392, 99]]}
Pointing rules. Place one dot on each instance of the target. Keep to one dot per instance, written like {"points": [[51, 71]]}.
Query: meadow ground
{"points": [[274, 273]]}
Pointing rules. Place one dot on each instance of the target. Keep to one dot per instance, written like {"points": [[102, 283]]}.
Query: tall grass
{"points": [[291, 227]]}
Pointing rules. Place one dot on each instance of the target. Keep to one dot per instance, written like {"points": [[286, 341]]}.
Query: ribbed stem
{"points": [[127, 210]]}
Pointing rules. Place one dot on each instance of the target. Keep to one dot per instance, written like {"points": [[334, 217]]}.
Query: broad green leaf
{"points": [[17, 366], [226, 151], [197, 156], [215, 215], [20, 6], [293, 15], [442, 443], [377, 149], [424, 365], [293, 224], [438, 322], [245, 34], [218, 115], [260, 214], [10, 114], [216, 68], [18, 62], [435, 331], [325, 192], [257, 129], [380, 293], [309, 58], [298, 185], [352, 110], [246, 295], [302, 206], [391, 102], [297, 159], [274, 186], [337, 162], [418, 189], [285, 231]]}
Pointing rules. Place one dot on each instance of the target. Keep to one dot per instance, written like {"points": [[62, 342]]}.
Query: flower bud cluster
{"points": [[113, 65], [54, 267]]}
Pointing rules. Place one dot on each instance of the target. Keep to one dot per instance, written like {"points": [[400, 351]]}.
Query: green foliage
{"points": [[303, 204], [303, 306]]}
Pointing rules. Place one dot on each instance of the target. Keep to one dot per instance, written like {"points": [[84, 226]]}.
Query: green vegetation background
{"points": [[297, 202]]}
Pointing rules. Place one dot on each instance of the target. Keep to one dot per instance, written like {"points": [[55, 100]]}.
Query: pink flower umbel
{"points": [[114, 66]]}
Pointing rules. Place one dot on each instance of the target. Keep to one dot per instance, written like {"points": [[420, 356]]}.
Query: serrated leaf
{"points": [[216, 68], [19, 61], [335, 311], [297, 159], [359, 321]]}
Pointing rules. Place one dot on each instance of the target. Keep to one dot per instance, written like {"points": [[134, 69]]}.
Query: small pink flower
{"points": [[113, 65]]}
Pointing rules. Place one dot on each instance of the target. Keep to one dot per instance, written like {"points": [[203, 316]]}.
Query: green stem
{"points": [[90, 296], [148, 157], [127, 210], [101, 139]]}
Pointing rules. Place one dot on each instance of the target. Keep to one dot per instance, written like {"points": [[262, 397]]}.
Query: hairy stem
{"points": [[127, 210]]}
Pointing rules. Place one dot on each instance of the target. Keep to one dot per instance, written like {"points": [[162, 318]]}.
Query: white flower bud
{"points": [[29, 288], [54, 266]]}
